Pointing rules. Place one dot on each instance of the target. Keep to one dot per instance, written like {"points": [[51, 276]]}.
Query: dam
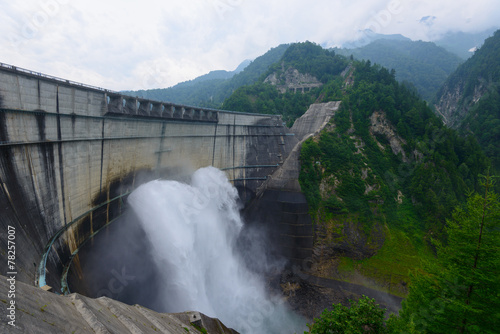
{"points": [[70, 154]]}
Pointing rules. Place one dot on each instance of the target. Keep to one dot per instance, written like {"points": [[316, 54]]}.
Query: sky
{"points": [[132, 45]]}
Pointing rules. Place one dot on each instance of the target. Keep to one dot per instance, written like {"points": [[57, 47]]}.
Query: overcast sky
{"points": [[131, 44]]}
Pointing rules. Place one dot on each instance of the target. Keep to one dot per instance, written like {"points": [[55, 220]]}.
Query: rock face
{"points": [[478, 77], [454, 106], [292, 80], [380, 125], [42, 312]]}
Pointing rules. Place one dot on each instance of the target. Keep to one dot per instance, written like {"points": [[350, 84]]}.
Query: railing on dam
{"points": [[125, 105], [41, 270], [51, 77]]}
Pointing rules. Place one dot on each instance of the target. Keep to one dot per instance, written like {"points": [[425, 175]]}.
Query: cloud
{"points": [[147, 44], [428, 20]]}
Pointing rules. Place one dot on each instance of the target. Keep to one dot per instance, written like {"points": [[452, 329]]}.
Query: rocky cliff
{"points": [[291, 79], [457, 100], [470, 99], [474, 80]]}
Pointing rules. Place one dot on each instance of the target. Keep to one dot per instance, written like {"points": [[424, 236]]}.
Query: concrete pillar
{"points": [[156, 109], [168, 111], [144, 108], [197, 114], [188, 113], [115, 104], [131, 105], [178, 112]]}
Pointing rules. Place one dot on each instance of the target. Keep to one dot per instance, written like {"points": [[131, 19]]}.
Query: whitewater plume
{"points": [[193, 229]]}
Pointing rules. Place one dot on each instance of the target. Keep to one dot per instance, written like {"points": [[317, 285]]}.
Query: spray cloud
{"points": [[193, 230]]}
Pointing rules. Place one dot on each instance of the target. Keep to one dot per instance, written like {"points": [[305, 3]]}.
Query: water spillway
{"points": [[195, 257]]}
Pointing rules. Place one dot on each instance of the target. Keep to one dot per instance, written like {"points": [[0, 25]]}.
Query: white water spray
{"points": [[193, 230]]}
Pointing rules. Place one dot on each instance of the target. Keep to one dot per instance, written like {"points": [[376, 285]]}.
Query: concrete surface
{"points": [[40, 312]]}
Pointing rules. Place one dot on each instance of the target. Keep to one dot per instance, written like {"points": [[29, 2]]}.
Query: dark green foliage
{"points": [[480, 74], [423, 64], [483, 120], [310, 173], [363, 316], [311, 58], [307, 58], [435, 172], [460, 293], [482, 68], [264, 98]]}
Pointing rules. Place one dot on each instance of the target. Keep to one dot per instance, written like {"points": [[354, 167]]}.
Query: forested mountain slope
{"points": [[424, 64], [306, 68], [470, 98], [384, 175], [382, 181]]}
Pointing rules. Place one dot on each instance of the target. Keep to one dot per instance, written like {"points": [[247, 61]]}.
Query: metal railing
{"points": [[51, 77], [41, 281]]}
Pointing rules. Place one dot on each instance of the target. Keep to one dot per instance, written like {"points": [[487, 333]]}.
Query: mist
{"points": [[193, 230]]}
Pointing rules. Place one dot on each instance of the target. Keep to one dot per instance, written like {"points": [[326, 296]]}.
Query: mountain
{"points": [[186, 92], [211, 89], [370, 36], [423, 64], [469, 100], [381, 178], [462, 44], [304, 67]]}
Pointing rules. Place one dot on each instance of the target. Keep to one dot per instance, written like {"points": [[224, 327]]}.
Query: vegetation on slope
{"points": [[382, 179], [434, 168], [459, 292], [424, 64], [478, 84], [384, 176], [394, 187], [305, 57]]}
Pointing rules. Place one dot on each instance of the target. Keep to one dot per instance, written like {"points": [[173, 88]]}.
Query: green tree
{"points": [[363, 316], [460, 293]]}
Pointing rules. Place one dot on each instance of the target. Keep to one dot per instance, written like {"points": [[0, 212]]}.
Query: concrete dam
{"points": [[70, 154]]}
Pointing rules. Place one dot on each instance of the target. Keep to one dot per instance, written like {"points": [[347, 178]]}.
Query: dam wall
{"points": [[70, 154]]}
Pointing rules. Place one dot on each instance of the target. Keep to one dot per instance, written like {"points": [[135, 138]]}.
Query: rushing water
{"points": [[193, 229]]}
